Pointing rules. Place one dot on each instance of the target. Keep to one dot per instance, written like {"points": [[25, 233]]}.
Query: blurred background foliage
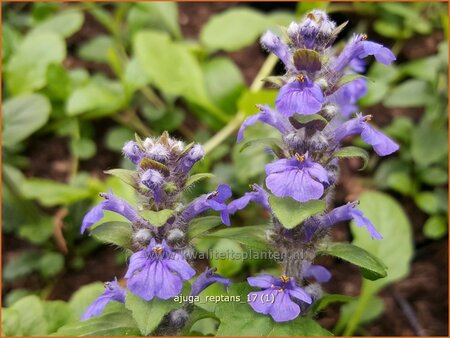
{"points": [[79, 79]]}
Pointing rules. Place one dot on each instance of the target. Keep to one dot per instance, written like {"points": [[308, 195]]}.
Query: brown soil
{"points": [[425, 291]]}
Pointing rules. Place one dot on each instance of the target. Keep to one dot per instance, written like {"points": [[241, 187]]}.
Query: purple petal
{"points": [[137, 262], [267, 116], [382, 54], [206, 279], [317, 171], [276, 46], [92, 217], [264, 281], [224, 192], [178, 264], [284, 309], [362, 221], [142, 283], [261, 301], [240, 203], [318, 272], [167, 285], [259, 196], [96, 307], [225, 217], [301, 98], [382, 144]]}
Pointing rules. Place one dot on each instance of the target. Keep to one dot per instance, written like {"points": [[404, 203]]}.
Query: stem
{"points": [[75, 159], [359, 311], [240, 116]]}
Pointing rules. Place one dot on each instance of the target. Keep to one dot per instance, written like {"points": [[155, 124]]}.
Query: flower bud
{"points": [[132, 151], [175, 236], [143, 236], [178, 318]]}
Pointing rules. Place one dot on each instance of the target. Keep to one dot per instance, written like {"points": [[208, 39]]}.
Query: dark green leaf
{"points": [[395, 174], [307, 59], [50, 264], [351, 151], [200, 225], [250, 236], [371, 267], [197, 177], [291, 213], [148, 314], [22, 116], [117, 233], [429, 144], [119, 323]]}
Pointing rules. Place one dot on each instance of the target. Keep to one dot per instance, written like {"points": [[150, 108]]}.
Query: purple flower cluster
{"points": [[159, 267], [313, 109]]}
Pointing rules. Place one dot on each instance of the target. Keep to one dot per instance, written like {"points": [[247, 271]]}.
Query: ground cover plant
{"points": [[110, 139]]}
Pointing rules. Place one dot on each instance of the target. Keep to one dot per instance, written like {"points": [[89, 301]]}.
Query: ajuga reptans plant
{"points": [[313, 113], [161, 251], [318, 94]]}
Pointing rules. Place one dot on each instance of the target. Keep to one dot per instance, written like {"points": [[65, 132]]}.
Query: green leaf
{"points": [[37, 231], [200, 225], [249, 236], [10, 322], [371, 267], [238, 318], [428, 201], [322, 303], [411, 93], [349, 78], [435, 227], [83, 148], [232, 30], [266, 141], [376, 91], [50, 264], [125, 175], [429, 144], [249, 99], [31, 313], [96, 49], [172, 68], [224, 82], [119, 323], [84, 296], [395, 249], [20, 266], [24, 73], [99, 97], [197, 177], [51, 193], [434, 176], [65, 23], [227, 257], [374, 309], [148, 314], [395, 174], [305, 119], [117, 137], [157, 218], [22, 116], [291, 213], [117, 233], [57, 314], [353, 152]]}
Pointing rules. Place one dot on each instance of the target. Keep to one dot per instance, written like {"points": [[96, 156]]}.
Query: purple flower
{"points": [[276, 297], [299, 178], [273, 43], [348, 212], [215, 200], [113, 292], [318, 272], [382, 144], [360, 48], [348, 95], [154, 180], [111, 203], [132, 151], [301, 96], [258, 195], [206, 279], [157, 271], [193, 156], [267, 116]]}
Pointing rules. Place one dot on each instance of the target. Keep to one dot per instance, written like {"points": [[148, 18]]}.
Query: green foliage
{"points": [[117, 233], [148, 314], [238, 318], [291, 213], [22, 116], [351, 151], [371, 267]]}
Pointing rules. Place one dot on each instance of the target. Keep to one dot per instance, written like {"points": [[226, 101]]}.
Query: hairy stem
{"points": [[240, 116]]}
